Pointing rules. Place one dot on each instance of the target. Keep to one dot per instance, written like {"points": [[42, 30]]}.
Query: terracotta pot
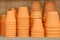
{"points": [[36, 11]]}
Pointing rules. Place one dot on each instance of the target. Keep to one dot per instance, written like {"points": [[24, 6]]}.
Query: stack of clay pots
{"points": [[51, 20], [23, 22], [10, 23], [37, 29]]}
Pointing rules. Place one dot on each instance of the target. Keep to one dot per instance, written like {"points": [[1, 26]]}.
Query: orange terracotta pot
{"points": [[37, 29], [36, 11], [23, 22], [10, 24], [51, 20], [3, 25]]}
